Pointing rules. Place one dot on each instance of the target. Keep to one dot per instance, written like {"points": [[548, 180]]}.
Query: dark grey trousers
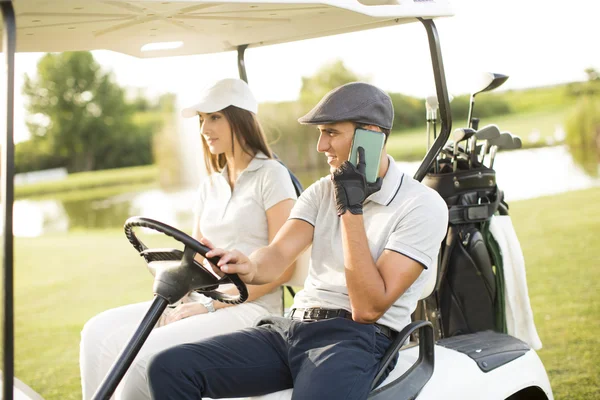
{"points": [[327, 359]]}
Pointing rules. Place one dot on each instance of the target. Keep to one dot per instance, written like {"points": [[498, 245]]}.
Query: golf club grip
{"points": [[121, 365]]}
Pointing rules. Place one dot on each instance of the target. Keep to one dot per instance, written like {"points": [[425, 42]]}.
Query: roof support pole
{"points": [[242, 63], [442, 95], [7, 198]]}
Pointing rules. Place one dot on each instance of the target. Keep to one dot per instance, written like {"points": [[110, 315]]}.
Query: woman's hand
{"points": [[232, 262], [182, 311]]}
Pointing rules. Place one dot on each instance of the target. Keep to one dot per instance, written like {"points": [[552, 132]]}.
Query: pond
{"points": [[521, 174]]}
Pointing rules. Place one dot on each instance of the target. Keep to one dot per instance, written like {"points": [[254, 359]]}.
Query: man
{"points": [[371, 243]]}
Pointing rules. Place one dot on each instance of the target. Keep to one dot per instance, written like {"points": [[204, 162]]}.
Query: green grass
{"points": [[531, 99], [559, 236], [411, 144], [121, 178], [63, 280]]}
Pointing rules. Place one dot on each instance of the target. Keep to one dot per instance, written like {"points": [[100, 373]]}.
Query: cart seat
{"points": [[456, 376]]}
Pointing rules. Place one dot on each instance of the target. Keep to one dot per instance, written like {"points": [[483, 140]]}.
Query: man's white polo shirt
{"points": [[237, 219], [405, 216]]}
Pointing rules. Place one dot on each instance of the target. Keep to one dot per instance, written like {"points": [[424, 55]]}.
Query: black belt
{"points": [[316, 314]]}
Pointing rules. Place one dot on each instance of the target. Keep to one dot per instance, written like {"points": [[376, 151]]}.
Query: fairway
{"points": [[63, 280], [410, 144]]}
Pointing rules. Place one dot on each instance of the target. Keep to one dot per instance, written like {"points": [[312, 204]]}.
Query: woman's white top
{"points": [[237, 219]]}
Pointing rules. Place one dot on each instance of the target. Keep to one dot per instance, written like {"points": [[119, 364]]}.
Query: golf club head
{"points": [[432, 104], [518, 142], [488, 132], [461, 134], [515, 143], [489, 81], [504, 141]]}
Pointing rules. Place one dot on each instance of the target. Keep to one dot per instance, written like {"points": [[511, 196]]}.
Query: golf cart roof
{"points": [[201, 26]]}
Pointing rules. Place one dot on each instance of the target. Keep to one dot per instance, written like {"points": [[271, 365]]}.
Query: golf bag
{"points": [[469, 291]]}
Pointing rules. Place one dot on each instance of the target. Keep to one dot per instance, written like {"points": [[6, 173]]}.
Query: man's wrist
{"points": [[350, 215], [354, 210]]}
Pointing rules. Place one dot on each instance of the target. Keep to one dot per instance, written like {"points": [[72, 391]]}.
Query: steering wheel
{"points": [[176, 272]]}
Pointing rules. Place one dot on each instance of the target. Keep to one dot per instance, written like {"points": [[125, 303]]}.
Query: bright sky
{"points": [[535, 42]]}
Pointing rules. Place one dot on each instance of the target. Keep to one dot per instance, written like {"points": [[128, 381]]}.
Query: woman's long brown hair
{"points": [[246, 128]]}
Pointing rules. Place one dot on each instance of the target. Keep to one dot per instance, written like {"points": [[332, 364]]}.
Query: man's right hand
{"points": [[351, 187], [232, 262]]}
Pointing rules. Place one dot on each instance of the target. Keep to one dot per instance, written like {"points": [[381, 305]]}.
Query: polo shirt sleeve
{"points": [[418, 234], [307, 206], [276, 185]]}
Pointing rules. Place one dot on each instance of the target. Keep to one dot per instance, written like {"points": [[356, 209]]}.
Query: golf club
{"points": [[489, 81], [486, 133], [431, 106], [459, 135], [518, 142], [505, 141]]}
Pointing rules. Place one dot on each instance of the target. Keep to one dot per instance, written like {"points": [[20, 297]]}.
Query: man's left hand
{"points": [[351, 186]]}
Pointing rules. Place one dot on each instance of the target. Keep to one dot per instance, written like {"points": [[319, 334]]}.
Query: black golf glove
{"points": [[351, 187]]}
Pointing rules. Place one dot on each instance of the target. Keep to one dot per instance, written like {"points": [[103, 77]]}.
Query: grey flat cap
{"points": [[356, 102]]}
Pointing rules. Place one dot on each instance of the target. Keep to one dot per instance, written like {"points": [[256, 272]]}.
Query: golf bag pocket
{"points": [[468, 291], [450, 186]]}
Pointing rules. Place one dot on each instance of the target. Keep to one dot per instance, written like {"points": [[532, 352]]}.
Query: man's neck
{"points": [[384, 164]]}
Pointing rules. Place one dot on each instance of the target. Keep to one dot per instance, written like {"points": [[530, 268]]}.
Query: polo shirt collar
{"points": [[258, 161], [392, 181]]}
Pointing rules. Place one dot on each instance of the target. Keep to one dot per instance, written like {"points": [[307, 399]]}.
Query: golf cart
{"points": [[484, 364]]}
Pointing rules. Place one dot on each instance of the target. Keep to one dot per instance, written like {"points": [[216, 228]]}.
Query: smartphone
{"points": [[372, 142]]}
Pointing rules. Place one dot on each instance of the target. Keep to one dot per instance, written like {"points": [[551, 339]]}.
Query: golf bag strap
{"points": [[474, 212]]}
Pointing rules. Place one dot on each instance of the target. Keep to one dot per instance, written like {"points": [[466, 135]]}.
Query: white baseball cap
{"points": [[222, 94]]}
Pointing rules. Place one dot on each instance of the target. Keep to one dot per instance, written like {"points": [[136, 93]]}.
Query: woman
{"points": [[246, 199]]}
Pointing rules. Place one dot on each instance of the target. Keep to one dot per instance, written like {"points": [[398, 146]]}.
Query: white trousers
{"points": [[105, 335]]}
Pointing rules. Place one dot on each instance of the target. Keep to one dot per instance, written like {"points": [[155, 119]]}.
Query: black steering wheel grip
{"points": [[200, 279]]}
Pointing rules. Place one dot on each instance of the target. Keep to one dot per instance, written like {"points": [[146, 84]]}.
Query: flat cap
{"points": [[356, 102]]}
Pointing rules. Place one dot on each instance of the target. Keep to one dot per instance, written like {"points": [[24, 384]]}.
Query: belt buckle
{"points": [[308, 314]]}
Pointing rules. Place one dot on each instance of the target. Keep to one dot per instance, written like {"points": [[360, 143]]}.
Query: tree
{"points": [[583, 134], [592, 74], [583, 124], [81, 115], [325, 79]]}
